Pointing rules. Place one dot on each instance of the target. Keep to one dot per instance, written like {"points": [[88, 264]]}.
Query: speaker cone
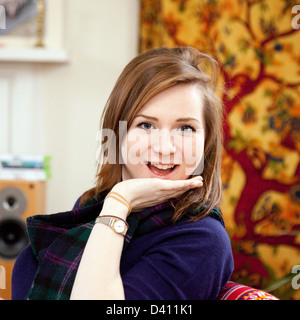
{"points": [[13, 238], [12, 201]]}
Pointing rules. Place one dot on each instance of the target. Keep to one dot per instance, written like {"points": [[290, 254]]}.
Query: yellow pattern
{"points": [[259, 53]]}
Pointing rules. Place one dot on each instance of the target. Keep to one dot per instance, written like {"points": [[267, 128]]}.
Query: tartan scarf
{"points": [[58, 242]]}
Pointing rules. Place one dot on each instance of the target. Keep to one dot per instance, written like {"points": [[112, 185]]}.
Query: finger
{"points": [[182, 184], [196, 178], [196, 183]]}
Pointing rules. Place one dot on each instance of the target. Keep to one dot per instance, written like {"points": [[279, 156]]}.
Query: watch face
{"points": [[119, 226]]}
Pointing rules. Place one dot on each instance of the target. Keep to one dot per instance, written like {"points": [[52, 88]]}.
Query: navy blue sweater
{"points": [[191, 260]]}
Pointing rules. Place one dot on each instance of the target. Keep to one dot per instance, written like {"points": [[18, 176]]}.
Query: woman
{"points": [[150, 228]]}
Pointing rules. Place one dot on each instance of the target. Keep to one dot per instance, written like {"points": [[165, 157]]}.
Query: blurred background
{"points": [[54, 107], [59, 60]]}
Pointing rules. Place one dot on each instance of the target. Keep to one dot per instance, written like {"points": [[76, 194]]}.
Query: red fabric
{"points": [[235, 291]]}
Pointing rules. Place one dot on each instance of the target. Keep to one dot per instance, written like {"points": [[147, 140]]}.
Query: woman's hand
{"points": [[146, 192]]}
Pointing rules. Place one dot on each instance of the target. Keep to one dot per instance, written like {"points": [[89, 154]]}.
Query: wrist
{"points": [[113, 206], [117, 224], [124, 189]]}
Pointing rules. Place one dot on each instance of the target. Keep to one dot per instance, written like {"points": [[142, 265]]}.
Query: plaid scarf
{"points": [[58, 241]]}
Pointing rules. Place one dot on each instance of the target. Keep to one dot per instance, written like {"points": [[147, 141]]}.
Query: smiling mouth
{"points": [[161, 169]]}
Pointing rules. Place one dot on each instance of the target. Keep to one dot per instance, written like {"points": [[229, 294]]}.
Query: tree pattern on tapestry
{"points": [[258, 50]]}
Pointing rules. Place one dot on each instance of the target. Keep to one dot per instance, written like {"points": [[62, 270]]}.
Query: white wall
{"points": [[101, 37]]}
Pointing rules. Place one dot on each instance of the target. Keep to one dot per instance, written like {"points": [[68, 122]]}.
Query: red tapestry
{"points": [[257, 44]]}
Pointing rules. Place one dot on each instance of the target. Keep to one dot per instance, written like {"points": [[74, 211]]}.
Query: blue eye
{"points": [[145, 125], [186, 128]]}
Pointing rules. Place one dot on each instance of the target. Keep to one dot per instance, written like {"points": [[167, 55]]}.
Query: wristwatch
{"points": [[119, 225]]}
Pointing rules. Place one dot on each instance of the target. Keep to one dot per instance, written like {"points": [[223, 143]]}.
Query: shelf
{"points": [[34, 55]]}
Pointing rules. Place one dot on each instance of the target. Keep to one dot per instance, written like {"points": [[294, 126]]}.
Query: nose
{"points": [[163, 143]]}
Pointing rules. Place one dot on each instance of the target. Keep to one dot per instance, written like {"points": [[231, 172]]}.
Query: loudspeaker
{"points": [[18, 200]]}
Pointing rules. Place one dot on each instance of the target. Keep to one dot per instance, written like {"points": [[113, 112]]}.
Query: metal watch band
{"points": [[119, 225]]}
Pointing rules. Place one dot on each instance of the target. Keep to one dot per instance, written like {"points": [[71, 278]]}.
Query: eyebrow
{"points": [[177, 120]]}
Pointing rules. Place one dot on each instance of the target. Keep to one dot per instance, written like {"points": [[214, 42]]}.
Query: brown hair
{"points": [[145, 76]]}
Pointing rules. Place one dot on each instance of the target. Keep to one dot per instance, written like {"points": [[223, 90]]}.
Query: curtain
{"points": [[257, 44]]}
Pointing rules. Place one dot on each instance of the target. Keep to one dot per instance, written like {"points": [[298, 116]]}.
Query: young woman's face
{"points": [[166, 138]]}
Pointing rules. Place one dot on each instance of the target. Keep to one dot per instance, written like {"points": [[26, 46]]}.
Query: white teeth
{"points": [[163, 166]]}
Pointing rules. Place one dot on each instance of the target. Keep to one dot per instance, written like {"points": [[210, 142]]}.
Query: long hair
{"points": [[144, 77]]}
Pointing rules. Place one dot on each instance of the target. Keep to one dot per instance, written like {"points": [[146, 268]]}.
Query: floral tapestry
{"points": [[257, 44]]}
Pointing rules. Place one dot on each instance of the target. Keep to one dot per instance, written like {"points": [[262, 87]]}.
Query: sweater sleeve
{"points": [[190, 261], [23, 273]]}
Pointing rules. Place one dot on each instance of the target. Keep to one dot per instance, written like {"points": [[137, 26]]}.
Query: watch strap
{"points": [[111, 221]]}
